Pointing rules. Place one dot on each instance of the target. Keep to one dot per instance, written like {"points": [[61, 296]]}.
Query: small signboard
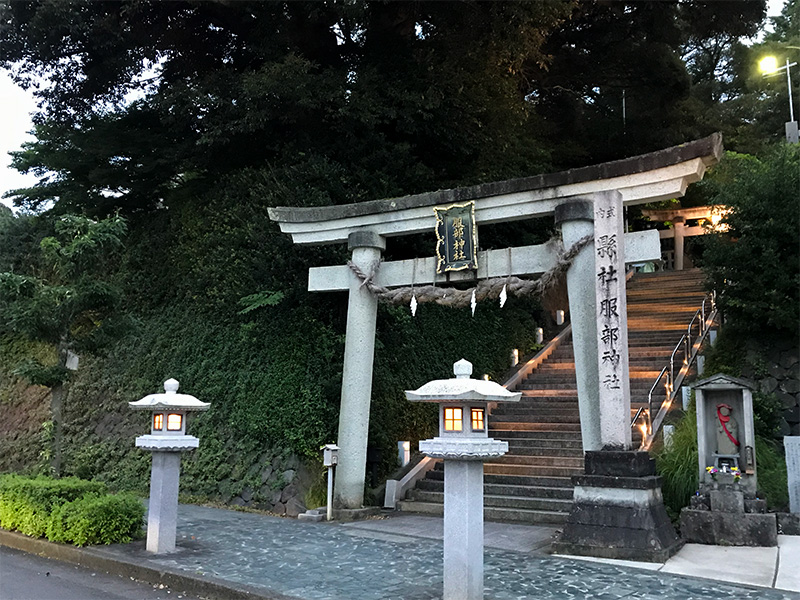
{"points": [[456, 238]]}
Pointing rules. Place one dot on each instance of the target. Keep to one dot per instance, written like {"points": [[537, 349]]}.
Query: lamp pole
{"points": [[769, 67], [789, 84]]}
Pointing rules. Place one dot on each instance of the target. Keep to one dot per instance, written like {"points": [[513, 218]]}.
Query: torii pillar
{"points": [[359, 354]]}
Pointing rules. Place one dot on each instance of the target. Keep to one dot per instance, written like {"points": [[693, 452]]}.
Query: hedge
{"points": [[96, 519], [68, 510]]}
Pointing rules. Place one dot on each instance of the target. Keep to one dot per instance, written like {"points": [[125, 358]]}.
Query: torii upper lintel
{"points": [[660, 175]]}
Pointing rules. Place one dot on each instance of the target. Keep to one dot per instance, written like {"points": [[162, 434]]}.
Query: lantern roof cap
{"points": [[462, 389], [169, 400]]}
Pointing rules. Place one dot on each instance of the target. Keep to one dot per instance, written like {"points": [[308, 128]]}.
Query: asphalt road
{"points": [[28, 577]]}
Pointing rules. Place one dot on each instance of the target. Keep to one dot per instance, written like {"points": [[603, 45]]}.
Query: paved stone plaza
{"points": [[401, 558]]}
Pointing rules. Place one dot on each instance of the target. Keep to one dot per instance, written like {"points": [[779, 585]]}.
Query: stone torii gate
{"points": [[585, 201]]}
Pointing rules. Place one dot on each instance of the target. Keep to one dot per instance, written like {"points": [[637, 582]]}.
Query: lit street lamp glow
{"points": [[769, 66]]}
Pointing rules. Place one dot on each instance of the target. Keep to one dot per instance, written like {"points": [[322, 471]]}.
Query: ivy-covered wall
{"points": [[273, 379]]}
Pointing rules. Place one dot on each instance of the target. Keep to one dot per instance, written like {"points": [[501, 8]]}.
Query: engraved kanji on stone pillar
{"points": [[612, 322]]}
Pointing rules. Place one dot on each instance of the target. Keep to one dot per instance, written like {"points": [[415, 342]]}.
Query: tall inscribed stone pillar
{"points": [[617, 509], [614, 394]]}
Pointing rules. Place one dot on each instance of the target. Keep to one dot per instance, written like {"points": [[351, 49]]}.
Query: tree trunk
{"points": [[56, 405]]}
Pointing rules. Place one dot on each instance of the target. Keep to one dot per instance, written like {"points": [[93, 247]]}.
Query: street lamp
{"points": [[769, 66]]}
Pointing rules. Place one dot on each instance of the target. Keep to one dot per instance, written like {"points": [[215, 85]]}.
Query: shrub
{"points": [[27, 503], [677, 465], [772, 478], [96, 519]]}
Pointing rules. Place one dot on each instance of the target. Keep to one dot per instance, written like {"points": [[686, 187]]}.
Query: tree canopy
{"points": [[146, 103], [191, 118], [755, 264]]}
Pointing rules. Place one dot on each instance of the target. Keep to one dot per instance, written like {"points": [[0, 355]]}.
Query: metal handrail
{"points": [[648, 420], [672, 358], [653, 418]]}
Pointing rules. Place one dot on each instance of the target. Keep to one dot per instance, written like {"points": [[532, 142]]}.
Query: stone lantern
{"points": [[464, 443], [167, 439]]}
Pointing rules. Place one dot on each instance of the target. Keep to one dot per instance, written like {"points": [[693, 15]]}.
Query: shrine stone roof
{"points": [[720, 381]]}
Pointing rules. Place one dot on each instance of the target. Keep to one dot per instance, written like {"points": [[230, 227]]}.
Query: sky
{"points": [[17, 105]]}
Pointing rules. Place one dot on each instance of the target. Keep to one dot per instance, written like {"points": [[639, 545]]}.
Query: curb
{"points": [[94, 558]]}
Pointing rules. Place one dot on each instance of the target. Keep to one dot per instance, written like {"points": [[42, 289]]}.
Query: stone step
{"points": [[638, 358], [645, 311], [533, 403], [525, 421], [533, 412], [490, 513], [542, 453], [513, 479], [559, 376], [544, 444], [500, 501], [552, 386], [530, 470], [562, 493], [537, 460], [515, 426], [543, 436]]}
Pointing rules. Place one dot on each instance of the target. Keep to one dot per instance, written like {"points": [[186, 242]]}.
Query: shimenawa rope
{"points": [[485, 289]]}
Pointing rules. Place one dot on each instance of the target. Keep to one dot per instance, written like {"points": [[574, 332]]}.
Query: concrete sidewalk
{"points": [[231, 555]]}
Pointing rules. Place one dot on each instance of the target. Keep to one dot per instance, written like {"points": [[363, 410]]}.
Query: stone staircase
{"points": [[532, 483]]}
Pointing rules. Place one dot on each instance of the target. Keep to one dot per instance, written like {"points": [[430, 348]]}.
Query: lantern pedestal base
{"points": [[618, 511], [162, 516]]}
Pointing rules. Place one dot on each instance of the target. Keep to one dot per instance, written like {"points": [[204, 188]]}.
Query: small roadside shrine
{"points": [[726, 509], [464, 443], [167, 439]]}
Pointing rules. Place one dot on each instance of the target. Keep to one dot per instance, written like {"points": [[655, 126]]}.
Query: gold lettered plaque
{"points": [[456, 238]]}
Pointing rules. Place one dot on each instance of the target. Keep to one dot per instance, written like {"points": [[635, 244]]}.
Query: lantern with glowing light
{"points": [[166, 440], [464, 443]]}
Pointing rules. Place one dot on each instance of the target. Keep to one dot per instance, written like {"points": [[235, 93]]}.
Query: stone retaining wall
{"points": [[783, 380]]}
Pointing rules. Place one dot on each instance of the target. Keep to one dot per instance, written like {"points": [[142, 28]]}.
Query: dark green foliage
{"points": [[64, 300], [387, 97], [755, 267], [772, 477], [726, 355], [392, 97], [767, 417], [677, 465], [26, 504], [39, 374], [96, 519]]}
